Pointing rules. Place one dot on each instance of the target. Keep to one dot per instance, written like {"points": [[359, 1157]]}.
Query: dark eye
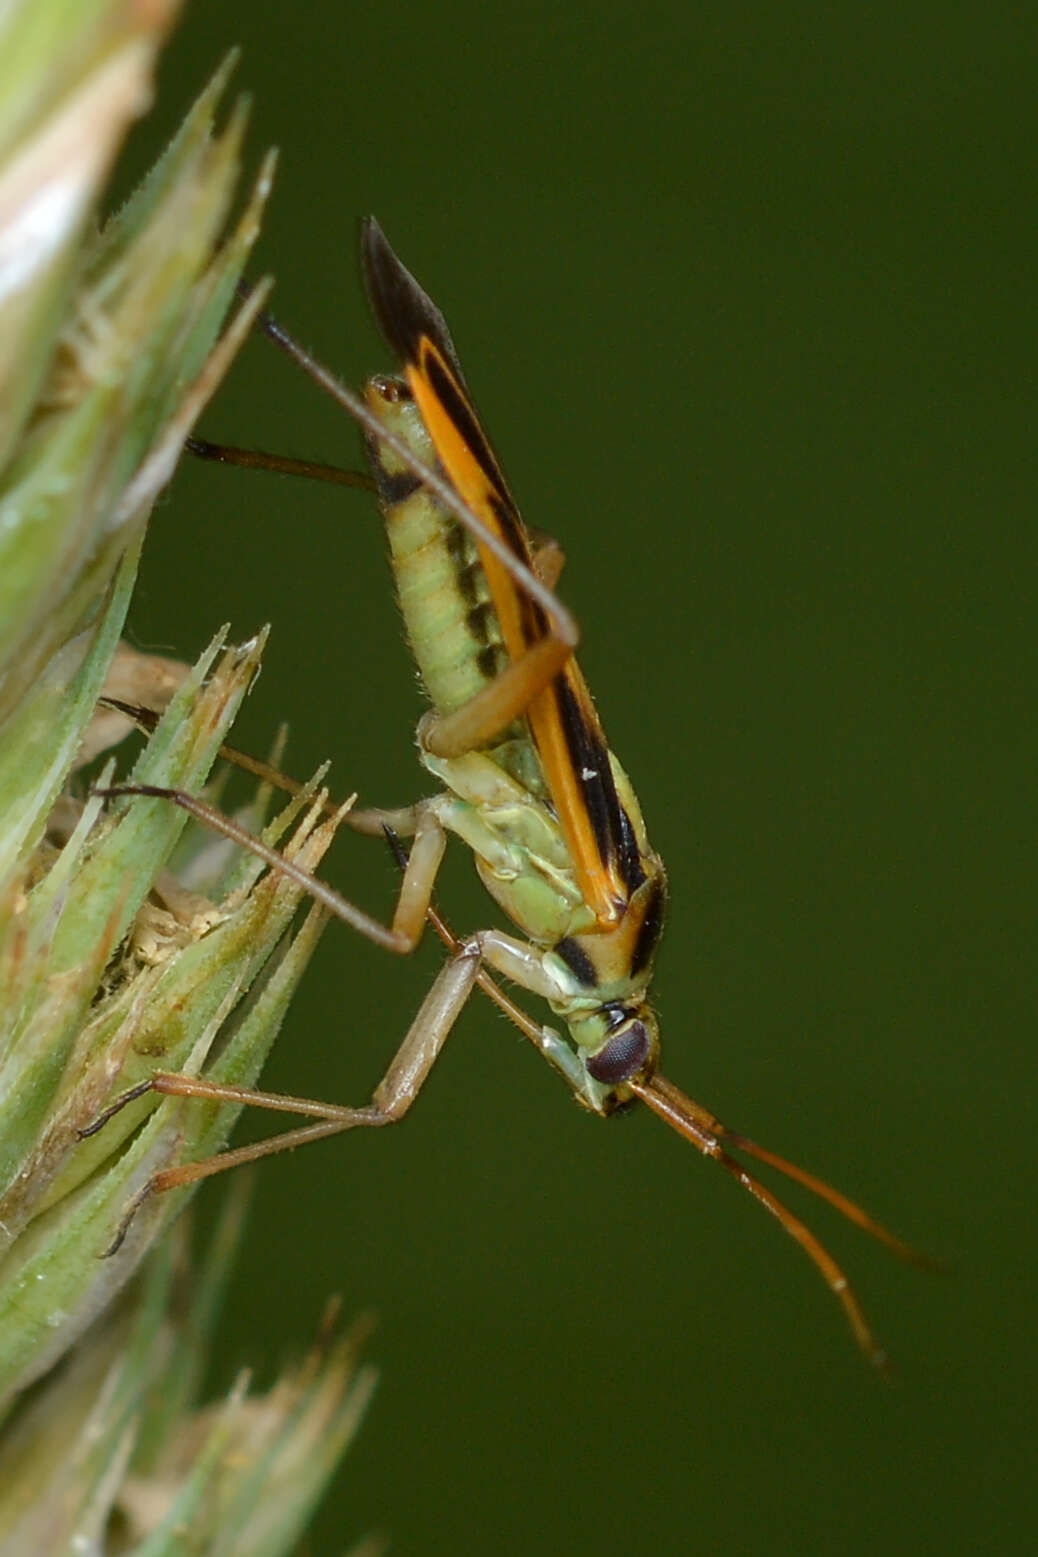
{"points": [[621, 1056]]}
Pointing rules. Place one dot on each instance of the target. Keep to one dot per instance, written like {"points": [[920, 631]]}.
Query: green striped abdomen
{"points": [[450, 620]]}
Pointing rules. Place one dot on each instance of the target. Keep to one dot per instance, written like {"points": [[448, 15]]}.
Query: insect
{"points": [[528, 784]]}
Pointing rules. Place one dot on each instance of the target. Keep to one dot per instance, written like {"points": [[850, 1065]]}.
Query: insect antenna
{"points": [[279, 464], [709, 1136]]}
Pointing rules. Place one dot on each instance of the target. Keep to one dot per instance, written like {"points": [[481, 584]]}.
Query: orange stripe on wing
{"points": [[562, 718], [473, 471]]}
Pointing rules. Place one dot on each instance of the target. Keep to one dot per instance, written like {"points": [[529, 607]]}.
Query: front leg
{"points": [[405, 1075], [401, 1084]]}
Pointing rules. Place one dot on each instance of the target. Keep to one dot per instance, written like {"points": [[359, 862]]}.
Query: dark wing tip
{"points": [[405, 313]]}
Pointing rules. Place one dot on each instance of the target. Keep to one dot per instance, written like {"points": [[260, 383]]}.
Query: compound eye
{"points": [[621, 1056]]}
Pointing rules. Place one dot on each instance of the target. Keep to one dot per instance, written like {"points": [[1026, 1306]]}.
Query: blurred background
{"points": [[745, 296]]}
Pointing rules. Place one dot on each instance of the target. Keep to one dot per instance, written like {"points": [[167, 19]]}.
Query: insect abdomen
{"points": [[441, 587]]}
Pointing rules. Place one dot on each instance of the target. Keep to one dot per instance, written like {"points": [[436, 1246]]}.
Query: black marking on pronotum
{"points": [[404, 311], [621, 1057], [577, 961], [650, 929]]}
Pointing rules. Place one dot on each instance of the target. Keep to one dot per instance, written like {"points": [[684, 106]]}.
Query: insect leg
{"points": [[278, 464], [495, 706], [390, 1101], [401, 936], [371, 821]]}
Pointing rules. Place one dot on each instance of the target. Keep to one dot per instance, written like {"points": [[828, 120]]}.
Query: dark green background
{"points": [[746, 296]]}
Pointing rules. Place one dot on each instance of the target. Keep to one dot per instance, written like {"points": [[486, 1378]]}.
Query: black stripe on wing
{"points": [[452, 395], [614, 835], [417, 332]]}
